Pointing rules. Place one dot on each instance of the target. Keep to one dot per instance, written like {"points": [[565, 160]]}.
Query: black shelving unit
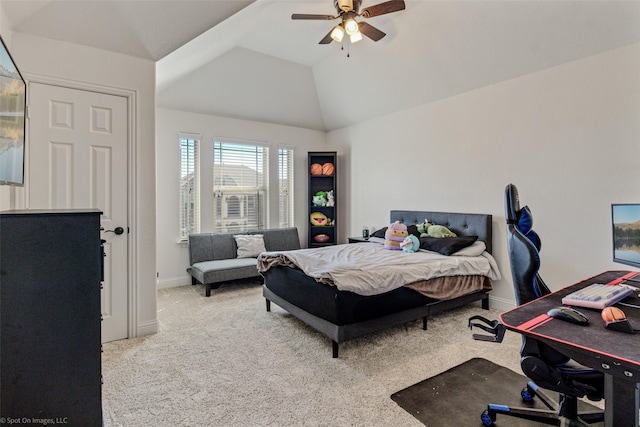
{"points": [[324, 181]]}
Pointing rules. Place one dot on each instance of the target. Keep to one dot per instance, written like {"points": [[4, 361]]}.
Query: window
{"points": [[285, 181], [189, 186], [225, 185], [240, 185]]}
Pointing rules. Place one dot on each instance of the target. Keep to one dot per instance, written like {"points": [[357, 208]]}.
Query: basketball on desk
{"points": [[612, 314]]}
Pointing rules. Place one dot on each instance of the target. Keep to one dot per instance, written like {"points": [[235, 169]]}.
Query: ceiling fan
{"points": [[348, 11]]}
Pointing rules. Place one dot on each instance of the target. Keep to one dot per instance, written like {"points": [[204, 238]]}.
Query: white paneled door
{"points": [[78, 145]]}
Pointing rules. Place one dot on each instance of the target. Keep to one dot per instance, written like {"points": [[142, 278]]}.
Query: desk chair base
{"points": [[557, 414]]}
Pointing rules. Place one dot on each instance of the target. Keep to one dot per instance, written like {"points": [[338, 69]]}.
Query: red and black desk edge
{"points": [[616, 354]]}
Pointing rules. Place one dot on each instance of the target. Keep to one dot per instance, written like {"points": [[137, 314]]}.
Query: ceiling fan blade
{"points": [[382, 8], [310, 16], [327, 39], [370, 31]]}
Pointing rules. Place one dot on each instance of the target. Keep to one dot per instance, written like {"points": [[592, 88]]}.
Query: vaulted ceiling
{"points": [[249, 60]]}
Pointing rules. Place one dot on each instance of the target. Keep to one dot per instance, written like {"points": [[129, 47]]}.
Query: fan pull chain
{"points": [[348, 49]]}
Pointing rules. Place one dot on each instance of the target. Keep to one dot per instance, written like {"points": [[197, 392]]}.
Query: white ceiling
{"points": [[141, 28], [249, 60]]}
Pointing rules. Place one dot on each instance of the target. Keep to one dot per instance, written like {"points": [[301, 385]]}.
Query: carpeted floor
{"points": [[225, 361]]}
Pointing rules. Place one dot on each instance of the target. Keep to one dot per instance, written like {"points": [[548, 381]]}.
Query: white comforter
{"points": [[369, 269]]}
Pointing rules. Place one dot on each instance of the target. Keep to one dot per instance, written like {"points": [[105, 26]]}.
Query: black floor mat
{"points": [[458, 397]]}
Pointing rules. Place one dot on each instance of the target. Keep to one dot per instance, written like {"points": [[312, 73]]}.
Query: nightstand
{"points": [[358, 240]]}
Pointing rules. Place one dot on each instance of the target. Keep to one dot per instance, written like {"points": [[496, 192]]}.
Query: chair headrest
{"points": [[511, 204], [521, 218]]}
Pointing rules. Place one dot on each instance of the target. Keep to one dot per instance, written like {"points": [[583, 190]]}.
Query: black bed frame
{"points": [[460, 223]]}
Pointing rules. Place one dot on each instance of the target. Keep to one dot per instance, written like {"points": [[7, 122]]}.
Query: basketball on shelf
{"points": [[316, 169], [328, 169], [612, 314]]}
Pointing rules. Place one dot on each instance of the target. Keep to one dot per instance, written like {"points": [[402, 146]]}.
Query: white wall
{"points": [[173, 257], [38, 56], [568, 137]]}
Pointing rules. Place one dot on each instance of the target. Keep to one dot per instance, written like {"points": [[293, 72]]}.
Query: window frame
{"points": [[191, 210], [240, 162], [286, 185], [205, 182]]}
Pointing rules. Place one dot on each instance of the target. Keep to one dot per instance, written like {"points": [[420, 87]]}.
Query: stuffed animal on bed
{"points": [[394, 235], [410, 244], [426, 229]]}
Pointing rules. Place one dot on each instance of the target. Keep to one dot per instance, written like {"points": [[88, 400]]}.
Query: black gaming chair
{"points": [[546, 367]]}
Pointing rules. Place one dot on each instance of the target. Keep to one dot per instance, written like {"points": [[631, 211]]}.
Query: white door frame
{"points": [[130, 95]]}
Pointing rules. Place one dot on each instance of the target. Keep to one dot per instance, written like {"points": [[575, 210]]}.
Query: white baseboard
{"points": [[173, 282], [501, 304], [147, 328]]}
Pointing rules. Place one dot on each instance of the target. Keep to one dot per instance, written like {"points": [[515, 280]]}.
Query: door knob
{"points": [[118, 231]]}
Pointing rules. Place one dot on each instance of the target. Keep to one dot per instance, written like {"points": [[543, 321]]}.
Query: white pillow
{"points": [[250, 245], [476, 249]]}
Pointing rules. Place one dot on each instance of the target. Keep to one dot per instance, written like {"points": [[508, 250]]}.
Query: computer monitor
{"points": [[625, 219]]}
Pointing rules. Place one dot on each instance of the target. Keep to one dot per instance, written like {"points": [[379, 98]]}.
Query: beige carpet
{"points": [[225, 361]]}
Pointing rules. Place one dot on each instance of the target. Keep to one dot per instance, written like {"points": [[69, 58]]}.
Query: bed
{"points": [[342, 312]]}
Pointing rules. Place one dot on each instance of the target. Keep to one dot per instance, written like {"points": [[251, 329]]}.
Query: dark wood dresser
{"points": [[50, 346]]}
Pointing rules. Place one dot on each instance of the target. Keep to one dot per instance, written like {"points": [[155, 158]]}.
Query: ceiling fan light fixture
{"points": [[348, 12], [351, 26], [346, 5], [337, 33]]}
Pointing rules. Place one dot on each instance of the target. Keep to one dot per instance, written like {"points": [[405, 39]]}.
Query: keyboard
{"points": [[597, 296]]}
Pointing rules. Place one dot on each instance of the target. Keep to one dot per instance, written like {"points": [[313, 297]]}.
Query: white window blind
{"points": [[240, 177], [189, 186], [285, 181]]}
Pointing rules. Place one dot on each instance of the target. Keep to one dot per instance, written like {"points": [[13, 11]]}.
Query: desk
{"points": [[615, 354]]}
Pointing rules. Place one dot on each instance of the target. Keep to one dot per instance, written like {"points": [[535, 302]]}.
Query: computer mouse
{"points": [[568, 314]]}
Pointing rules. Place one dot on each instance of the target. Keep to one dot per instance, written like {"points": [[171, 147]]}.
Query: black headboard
{"points": [[463, 224]]}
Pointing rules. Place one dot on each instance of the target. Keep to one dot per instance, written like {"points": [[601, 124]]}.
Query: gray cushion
{"points": [[224, 246], [200, 248], [225, 270], [280, 239], [209, 246]]}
